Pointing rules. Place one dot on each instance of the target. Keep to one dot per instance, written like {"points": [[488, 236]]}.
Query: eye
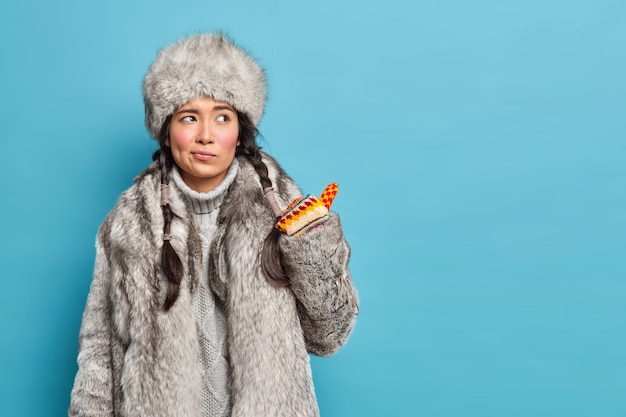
{"points": [[188, 119], [222, 118]]}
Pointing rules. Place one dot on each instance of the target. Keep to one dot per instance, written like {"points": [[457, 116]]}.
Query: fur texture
{"points": [[203, 65], [136, 360]]}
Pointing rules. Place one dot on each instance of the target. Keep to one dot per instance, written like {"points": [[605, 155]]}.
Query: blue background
{"points": [[480, 152]]}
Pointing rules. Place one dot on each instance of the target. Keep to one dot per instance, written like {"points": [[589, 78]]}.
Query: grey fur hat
{"points": [[202, 65]]}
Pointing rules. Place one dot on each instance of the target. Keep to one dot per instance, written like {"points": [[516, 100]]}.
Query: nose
{"points": [[205, 134]]}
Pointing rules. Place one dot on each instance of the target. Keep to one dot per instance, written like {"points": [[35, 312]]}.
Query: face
{"points": [[203, 138]]}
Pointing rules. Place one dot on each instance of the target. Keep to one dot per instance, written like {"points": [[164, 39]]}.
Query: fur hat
{"points": [[202, 65]]}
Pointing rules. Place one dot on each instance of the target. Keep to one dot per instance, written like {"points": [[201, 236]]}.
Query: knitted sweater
{"points": [[208, 307]]}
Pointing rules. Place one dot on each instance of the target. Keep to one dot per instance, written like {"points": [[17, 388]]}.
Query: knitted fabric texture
{"points": [[307, 213], [207, 65], [208, 308]]}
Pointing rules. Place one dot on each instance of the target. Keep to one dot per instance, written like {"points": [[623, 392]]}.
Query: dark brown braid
{"points": [[170, 262], [270, 255]]}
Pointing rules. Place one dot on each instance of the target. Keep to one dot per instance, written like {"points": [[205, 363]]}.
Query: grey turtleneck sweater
{"points": [[208, 307]]}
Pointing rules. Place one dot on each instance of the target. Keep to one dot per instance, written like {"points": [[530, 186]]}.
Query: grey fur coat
{"points": [[136, 360]]}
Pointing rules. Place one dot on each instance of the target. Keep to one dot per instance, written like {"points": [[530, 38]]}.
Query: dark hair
{"points": [[270, 255], [170, 262]]}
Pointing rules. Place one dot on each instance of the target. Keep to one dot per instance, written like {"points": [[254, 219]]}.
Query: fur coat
{"points": [[137, 360]]}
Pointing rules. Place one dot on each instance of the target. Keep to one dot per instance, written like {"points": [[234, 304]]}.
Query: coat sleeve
{"points": [[92, 394], [317, 265]]}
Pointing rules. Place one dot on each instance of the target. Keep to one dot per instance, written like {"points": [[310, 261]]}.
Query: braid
{"points": [[270, 255], [170, 262]]}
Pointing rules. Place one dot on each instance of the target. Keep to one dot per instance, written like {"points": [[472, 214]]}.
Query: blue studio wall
{"points": [[480, 151]]}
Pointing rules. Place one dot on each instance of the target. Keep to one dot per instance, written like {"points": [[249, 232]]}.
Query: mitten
{"points": [[307, 213]]}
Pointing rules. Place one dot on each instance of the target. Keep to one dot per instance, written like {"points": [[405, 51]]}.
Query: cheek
{"points": [[179, 139], [229, 140]]}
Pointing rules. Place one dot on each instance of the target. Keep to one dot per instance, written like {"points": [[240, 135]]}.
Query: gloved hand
{"points": [[307, 213]]}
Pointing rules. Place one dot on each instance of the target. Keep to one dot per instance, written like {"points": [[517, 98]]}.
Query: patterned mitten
{"points": [[306, 213]]}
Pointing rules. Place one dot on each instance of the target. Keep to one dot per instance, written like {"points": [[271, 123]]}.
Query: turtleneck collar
{"points": [[203, 203]]}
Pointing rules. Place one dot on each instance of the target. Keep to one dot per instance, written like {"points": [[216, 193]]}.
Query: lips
{"points": [[203, 155]]}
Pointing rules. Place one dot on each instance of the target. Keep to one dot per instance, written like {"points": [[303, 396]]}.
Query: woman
{"points": [[207, 297]]}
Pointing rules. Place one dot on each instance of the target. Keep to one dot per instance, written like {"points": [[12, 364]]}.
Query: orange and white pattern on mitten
{"points": [[307, 213]]}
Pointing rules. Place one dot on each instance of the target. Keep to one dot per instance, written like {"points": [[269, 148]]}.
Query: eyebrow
{"points": [[194, 110], [222, 107]]}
